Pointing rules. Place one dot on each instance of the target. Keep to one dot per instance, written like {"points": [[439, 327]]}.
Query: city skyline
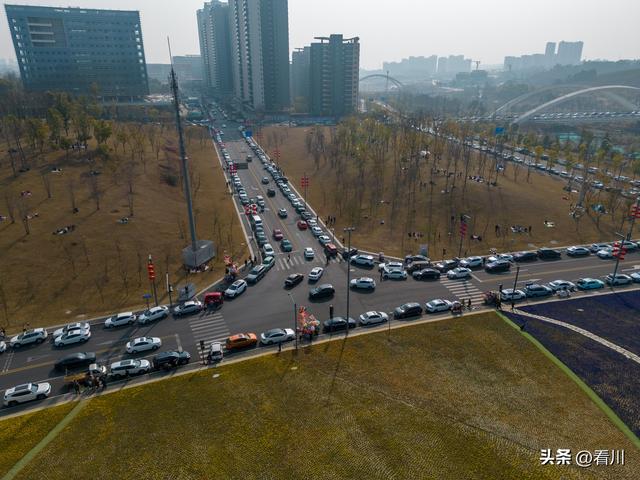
{"points": [[486, 31]]}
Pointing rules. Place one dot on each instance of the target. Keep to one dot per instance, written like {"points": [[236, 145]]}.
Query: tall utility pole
{"points": [[463, 231], [183, 156], [348, 230], [295, 317], [515, 285], [619, 254]]}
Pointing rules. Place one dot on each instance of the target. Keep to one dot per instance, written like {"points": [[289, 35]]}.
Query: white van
{"points": [[256, 221]]}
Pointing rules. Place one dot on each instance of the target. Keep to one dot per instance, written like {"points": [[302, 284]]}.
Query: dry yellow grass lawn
{"points": [[466, 398], [511, 203], [100, 267]]}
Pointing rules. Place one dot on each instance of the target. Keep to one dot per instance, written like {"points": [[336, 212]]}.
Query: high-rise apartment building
{"points": [[412, 67], [259, 32], [334, 75], [453, 64], [75, 49], [301, 79], [215, 47], [569, 53]]}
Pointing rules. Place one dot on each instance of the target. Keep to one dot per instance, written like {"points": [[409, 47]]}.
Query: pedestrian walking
{"points": [[469, 304], [255, 259], [288, 256], [327, 259], [245, 263], [103, 381], [498, 304], [529, 230], [279, 347], [381, 275], [76, 387]]}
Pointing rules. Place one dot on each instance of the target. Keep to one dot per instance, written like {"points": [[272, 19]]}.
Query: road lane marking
{"points": [[178, 343]]}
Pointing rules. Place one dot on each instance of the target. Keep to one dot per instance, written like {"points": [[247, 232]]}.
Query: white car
{"points": [[235, 289], [79, 335], [509, 294], [268, 251], [394, 274], [363, 260], [124, 318], [277, 335], [364, 283], [71, 326], [562, 284], [438, 305], [188, 308], [324, 239], [37, 335], [315, 274], [153, 314], [309, 254], [471, 262], [605, 253], [500, 256], [3, 347], [312, 223], [391, 266], [124, 368], [373, 317], [26, 393], [315, 230], [596, 247], [458, 272], [142, 344]]}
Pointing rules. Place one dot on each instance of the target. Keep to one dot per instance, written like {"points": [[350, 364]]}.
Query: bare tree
{"points": [[70, 257], [24, 213], [94, 190], [46, 180], [99, 286], [130, 175], [71, 188], [140, 264], [10, 202], [5, 304]]}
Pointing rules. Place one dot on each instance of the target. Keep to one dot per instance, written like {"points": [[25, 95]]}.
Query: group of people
{"points": [[331, 220], [65, 230], [92, 384]]}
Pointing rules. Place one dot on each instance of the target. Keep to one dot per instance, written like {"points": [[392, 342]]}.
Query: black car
{"points": [[446, 265], [271, 192], [549, 254], [415, 258], [325, 290], [349, 253], [75, 360], [498, 266], [525, 256], [293, 280], [426, 274], [337, 323], [418, 265], [407, 310], [171, 359]]}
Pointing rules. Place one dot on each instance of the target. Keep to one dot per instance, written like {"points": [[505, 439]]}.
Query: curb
{"points": [[578, 381]]}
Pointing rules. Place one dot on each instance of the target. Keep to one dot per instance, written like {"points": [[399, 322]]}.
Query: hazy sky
{"points": [[485, 30]]}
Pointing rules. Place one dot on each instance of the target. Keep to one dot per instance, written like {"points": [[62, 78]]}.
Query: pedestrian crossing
{"points": [[208, 328], [464, 290], [296, 261]]}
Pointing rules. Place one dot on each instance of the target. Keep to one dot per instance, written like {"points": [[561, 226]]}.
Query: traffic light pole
{"points": [[348, 230]]}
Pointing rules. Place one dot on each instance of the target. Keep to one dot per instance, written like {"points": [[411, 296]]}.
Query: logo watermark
{"points": [[583, 458]]}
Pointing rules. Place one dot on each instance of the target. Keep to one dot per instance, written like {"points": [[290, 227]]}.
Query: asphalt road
{"points": [[268, 305]]}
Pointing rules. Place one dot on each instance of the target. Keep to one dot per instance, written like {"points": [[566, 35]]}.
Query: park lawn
{"points": [[21, 434], [511, 203], [461, 398], [100, 267]]}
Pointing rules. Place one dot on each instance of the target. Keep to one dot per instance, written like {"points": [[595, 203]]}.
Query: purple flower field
{"points": [[612, 376], [615, 317]]}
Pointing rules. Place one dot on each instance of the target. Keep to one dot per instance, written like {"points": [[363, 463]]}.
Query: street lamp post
{"points": [[515, 284], [348, 230], [295, 318]]}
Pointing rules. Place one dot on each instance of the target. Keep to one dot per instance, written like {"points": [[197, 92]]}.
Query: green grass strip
{"points": [[48, 438], [585, 388]]}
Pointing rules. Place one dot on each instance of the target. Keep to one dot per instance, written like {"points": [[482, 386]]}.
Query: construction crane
{"points": [[477, 62]]}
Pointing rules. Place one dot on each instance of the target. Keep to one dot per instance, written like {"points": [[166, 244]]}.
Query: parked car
{"points": [[125, 368], [407, 310], [459, 272], [562, 285], [142, 344], [605, 253], [171, 359], [124, 318], [438, 305], [595, 247], [577, 251], [500, 257], [548, 254], [346, 254], [589, 283], [509, 294], [268, 262], [525, 256], [215, 353], [362, 260], [36, 335], [537, 290], [71, 326], [325, 290], [267, 249], [316, 231], [373, 317], [391, 265], [498, 266], [414, 266], [189, 307], [75, 360], [315, 274], [256, 274], [394, 274], [236, 289], [277, 335], [26, 393], [635, 276], [324, 240], [363, 283], [415, 258], [446, 265], [153, 314], [426, 274], [471, 262], [619, 279], [241, 340], [79, 335], [338, 323], [293, 280]]}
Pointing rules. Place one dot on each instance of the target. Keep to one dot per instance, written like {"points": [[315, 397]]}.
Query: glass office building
{"points": [[78, 50]]}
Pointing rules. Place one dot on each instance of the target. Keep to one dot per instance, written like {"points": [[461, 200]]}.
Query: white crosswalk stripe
{"points": [[209, 329], [282, 263], [464, 290]]}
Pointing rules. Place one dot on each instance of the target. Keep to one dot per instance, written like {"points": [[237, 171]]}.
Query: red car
{"points": [[277, 234], [302, 225]]}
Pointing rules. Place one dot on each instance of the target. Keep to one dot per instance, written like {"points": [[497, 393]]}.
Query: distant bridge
{"points": [[397, 83]]}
